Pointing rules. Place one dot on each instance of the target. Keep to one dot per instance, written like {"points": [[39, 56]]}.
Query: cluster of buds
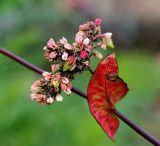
{"points": [[69, 59], [47, 89]]}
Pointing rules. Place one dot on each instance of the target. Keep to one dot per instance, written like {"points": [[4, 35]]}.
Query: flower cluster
{"points": [[69, 59], [47, 90]]}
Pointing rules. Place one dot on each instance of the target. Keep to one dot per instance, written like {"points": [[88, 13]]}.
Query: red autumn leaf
{"points": [[104, 90]]}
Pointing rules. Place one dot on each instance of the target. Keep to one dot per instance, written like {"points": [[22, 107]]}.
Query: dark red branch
{"points": [[21, 61], [139, 130]]}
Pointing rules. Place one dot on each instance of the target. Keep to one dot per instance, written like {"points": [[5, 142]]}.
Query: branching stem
{"points": [[36, 69]]}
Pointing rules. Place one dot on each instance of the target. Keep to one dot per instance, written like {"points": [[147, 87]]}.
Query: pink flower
{"points": [[83, 54], [98, 21], [37, 83], [63, 41], [37, 97], [78, 38], [64, 80], [84, 27], [51, 44], [63, 87], [40, 97], [70, 85], [36, 86], [68, 46], [47, 76], [88, 48], [55, 67], [64, 55], [53, 55], [66, 86], [56, 76]]}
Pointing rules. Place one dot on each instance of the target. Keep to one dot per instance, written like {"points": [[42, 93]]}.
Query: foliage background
{"points": [[25, 27]]}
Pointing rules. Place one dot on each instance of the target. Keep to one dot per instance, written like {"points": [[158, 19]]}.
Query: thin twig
{"points": [[139, 130]]}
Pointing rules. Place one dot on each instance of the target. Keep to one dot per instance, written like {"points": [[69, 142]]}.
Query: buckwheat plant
{"points": [[69, 59], [105, 87]]}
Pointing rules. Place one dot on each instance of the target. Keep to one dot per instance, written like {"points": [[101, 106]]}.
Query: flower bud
{"points": [[83, 54], [53, 55], [65, 80], [78, 38], [98, 21], [87, 63], [40, 97], [97, 54], [55, 67], [47, 76], [69, 63], [33, 96], [45, 48], [86, 41], [59, 97], [68, 46], [108, 35], [63, 87], [68, 91], [51, 44], [49, 100], [63, 41], [64, 55], [70, 85], [55, 83], [84, 27], [107, 40]]}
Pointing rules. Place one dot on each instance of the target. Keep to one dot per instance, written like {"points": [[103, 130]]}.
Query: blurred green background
{"points": [[25, 27]]}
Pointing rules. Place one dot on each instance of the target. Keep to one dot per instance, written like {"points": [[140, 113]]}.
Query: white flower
{"points": [[68, 91], [59, 98], [45, 48], [86, 41], [49, 100], [64, 56]]}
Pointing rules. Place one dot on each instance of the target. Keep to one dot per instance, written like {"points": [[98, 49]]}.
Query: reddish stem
{"points": [[139, 130]]}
